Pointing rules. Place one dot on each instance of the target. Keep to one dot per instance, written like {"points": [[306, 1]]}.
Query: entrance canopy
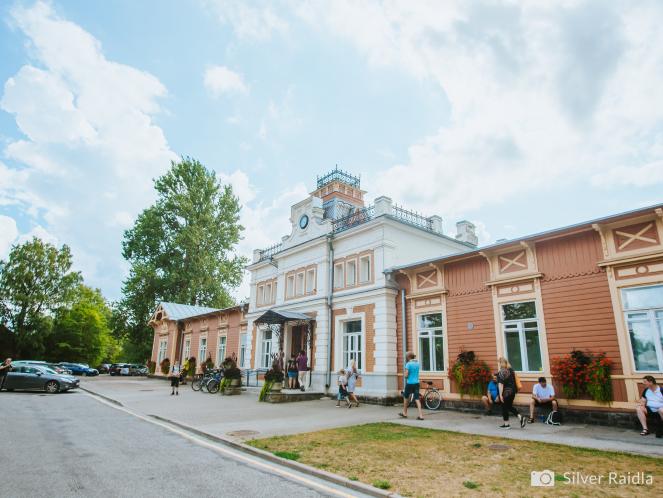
{"points": [[272, 317]]}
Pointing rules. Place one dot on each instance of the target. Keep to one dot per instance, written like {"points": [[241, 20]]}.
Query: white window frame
{"points": [[202, 349], [339, 275], [163, 350], [351, 263], [521, 329], [290, 286], [310, 280], [187, 348], [365, 262], [268, 293], [220, 356], [656, 326], [300, 283], [357, 352], [266, 348], [260, 295], [432, 334], [243, 349]]}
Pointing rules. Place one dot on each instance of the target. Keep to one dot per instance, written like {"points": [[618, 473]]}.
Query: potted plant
{"points": [[581, 373], [152, 367], [273, 379], [232, 377], [164, 366], [471, 375], [208, 364]]}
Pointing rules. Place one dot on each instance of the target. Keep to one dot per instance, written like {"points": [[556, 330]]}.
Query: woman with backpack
{"points": [[508, 387]]}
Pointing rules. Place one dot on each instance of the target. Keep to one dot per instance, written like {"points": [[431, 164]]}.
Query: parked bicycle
{"points": [[214, 382], [432, 397], [199, 381]]}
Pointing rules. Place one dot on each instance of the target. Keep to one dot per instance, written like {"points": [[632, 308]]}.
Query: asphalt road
{"points": [[70, 444]]}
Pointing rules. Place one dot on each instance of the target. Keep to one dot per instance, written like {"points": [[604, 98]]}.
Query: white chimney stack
{"points": [[466, 232]]}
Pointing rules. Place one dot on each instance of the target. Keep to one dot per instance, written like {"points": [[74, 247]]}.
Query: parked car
{"points": [[115, 368], [140, 370], [80, 369], [104, 368], [38, 378]]}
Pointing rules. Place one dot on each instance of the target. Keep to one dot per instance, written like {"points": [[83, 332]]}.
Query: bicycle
{"points": [[432, 397], [199, 381], [213, 384]]}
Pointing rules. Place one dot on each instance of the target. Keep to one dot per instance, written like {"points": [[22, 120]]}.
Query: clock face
{"points": [[303, 222]]}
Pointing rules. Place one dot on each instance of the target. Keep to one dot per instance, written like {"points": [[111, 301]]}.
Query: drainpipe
{"points": [[330, 292], [404, 328]]}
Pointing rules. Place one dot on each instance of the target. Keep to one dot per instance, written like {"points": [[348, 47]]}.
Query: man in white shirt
{"points": [[651, 402], [543, 394]]}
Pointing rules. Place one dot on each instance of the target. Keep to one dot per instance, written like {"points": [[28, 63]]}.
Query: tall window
{"points": [[310, 280], [290, 286], [243, 350], [163, 346], [187, 348], [365, 269], [300, 284], [521, 336], [268, 294], [202, 350], [352, 344], [221, 353], [431, 342], [261, 295], [339, 276], [643, 310], [266, 356], [351, 273]]}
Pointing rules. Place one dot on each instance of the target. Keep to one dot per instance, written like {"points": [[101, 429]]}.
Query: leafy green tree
{"points": [[182, 248], [35, 281], [81, 332]]}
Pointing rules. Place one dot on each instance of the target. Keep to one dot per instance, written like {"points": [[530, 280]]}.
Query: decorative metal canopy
{"points": [[272, 317]]}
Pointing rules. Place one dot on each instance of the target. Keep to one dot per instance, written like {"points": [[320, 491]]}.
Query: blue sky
{"points": [[518, 116]]}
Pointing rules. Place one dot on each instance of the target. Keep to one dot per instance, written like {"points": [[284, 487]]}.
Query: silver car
{"points": [[38, 378]]}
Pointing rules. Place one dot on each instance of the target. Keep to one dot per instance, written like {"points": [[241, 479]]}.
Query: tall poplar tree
{"points": [[182, 248]]}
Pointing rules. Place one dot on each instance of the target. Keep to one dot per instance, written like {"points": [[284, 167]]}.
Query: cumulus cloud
{"points": [[250, 20], [540, 94], [84, 168], [220, 80], [8, 234]]}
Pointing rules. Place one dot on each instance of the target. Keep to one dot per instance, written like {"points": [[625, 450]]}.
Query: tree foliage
{"points": [[182, 248], [35, 281]]}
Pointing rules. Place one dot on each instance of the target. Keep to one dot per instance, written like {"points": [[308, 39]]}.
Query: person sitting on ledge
{"points": [[492, 396], [651, 402], [543, 394]]}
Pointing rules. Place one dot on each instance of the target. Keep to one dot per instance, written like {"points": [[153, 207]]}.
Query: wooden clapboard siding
{"points": [[470, 300], [576, 297]]}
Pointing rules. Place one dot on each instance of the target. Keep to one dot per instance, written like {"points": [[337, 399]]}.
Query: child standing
{"points": [[342, 389]]}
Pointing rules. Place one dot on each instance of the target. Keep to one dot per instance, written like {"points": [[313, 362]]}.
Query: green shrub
{"points": [[381, 484], [165, 366], [288, 455], [470, 484]]}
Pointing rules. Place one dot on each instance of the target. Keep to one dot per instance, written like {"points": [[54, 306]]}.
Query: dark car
{"points": [[115, 368], [38, 378], [79, 369], [104, 368]]}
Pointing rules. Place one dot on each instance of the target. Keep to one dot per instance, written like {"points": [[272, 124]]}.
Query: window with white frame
{"points": [[521, 336], [221, 352], [260, 295], [352, 338], [300, 284], [431, 342], [351, 273], [243, 350], [163, 347], [364, 269], [268, 294], [290, 286], [266, 350], [187, 348], [310, 280], [202, 350], [643, 312], [339, 275]]}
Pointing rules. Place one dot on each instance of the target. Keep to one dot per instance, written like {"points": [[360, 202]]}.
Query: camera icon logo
{"points": [[545, 478]]}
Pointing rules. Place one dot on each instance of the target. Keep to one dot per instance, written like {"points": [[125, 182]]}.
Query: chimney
{"points": [[466, 232]]}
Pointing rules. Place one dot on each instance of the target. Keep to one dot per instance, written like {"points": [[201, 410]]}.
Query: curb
{"points": [[110, 400], [300, 467]]}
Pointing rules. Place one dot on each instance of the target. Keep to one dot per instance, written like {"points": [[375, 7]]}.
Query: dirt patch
{"points": [[414, 461]]}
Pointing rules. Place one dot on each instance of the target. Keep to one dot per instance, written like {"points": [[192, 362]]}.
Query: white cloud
{"points": [[41, 233], [540, 94], [91, 148], [220, 80], [250, 20], [8, 234]]}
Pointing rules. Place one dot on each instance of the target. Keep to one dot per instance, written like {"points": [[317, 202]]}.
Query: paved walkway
{"points": [[243, 417]]}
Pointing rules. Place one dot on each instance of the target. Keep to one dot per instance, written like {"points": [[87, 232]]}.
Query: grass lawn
{"points": [[415, 461]]}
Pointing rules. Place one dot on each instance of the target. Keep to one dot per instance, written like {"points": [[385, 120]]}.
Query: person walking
{"points": [[352, 383], [174, 375], [302, 369], [5, 367], [292, 372], [411, 376], [506, 379]]}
